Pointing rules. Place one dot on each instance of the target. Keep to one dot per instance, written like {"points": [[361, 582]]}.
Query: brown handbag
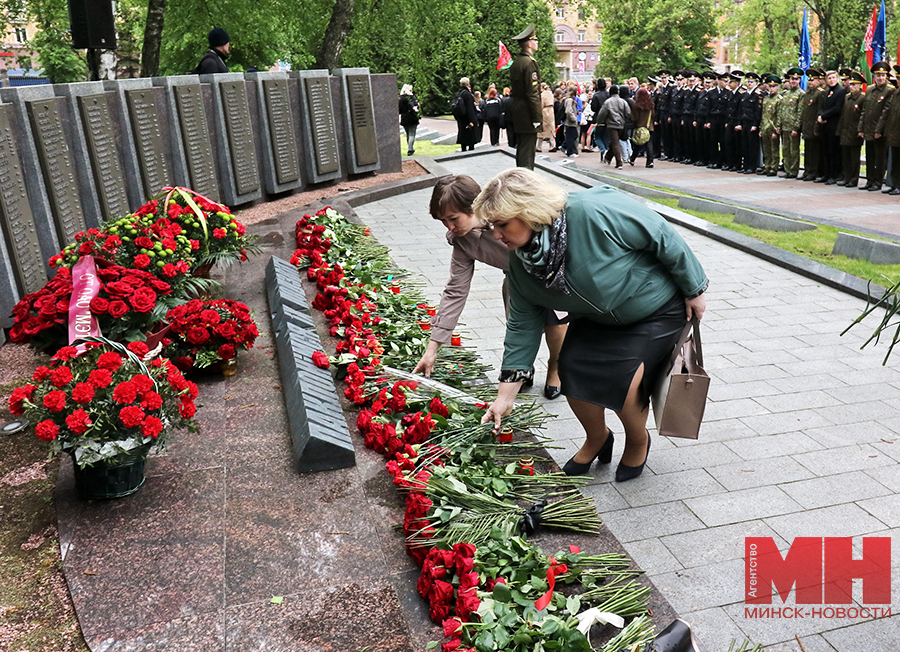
{"points": [[680, 396]]}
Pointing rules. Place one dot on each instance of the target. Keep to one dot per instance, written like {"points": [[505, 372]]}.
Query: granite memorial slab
{"points": [[320, 143], [57, 165], [385, 97], [278, 132], [26, 147], [21, 258], [191, 139], [238, 168], [359, 114], [144, 137]]}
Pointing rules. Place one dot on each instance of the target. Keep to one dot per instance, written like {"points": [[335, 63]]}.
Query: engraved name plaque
{"points": [[318, 94], [362, 117], [56, 165], [281, 130], [17, 221], [195, 139], [104, 154], [240, 136], [156, 172]]}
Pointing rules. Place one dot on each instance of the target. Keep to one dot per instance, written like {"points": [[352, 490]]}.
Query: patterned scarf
{"points": [[545, 256]]}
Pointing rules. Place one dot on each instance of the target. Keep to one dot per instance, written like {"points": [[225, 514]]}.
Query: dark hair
{"points": [[642, 100], [217, 37], [601, 84], [613, 90], [453, 192]]}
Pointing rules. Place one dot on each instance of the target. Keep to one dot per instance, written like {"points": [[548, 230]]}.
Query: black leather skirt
{"points": [[598, 361]]}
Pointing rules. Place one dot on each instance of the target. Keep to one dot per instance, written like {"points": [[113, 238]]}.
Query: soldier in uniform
{"points": [[809, 125], [891, 133], [871, 124], [768, 129], [701, 119], [851, 143], [789, 123], [845, 74], [525, 90], [661, 131], [751, 116], [688, 108], [733, 154], [676, 110], [717, 111]]}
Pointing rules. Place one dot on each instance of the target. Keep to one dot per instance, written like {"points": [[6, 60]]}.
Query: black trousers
{"points": [[494, 127], [832, 146], [716, 144], [700, 143], [659, 134], [526, 143], [687, 137], [895, 166], [811, 159], [876, 160], [675, 126], [850, 164], [751, 145]]}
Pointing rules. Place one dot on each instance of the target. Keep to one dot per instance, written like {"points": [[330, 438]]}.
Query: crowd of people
{"points": [[745, 123]]}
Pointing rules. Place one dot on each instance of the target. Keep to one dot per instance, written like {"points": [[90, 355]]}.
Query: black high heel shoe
{"points": [[625, 473], [552, 391], [603, 456]]}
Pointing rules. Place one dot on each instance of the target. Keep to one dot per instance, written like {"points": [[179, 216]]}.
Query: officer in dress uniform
{"points": [[851, 143], [676, 109], [809, 126], [689, 107], [701, 120], [751, 115], [717, 112], [871, 124], [661, 135], [525, 90], [768, 130], [789, 122], [733, 154], [891, 133]]}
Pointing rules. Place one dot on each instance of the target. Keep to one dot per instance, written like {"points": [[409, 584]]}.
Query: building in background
{"points": [[15, 52], [577, 41]]}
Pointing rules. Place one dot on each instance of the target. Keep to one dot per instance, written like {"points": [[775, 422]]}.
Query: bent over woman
{"points": [[628, 281]]}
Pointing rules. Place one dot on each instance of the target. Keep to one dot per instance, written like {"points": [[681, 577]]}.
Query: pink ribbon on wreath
{"points": [[555, 569], [85, 286]]}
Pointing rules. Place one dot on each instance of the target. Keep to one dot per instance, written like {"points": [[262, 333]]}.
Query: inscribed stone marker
{"points": [[101, 142], [19, 231], [321, 118], [240, 136], [156, 172], [281, 130], [57, 166], [362, 120], [195, 139]]}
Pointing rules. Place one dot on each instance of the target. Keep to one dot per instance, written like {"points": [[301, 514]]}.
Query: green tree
{"points": [[387, 36], [642, 35], [131, 16], [765, 34], [52, 42], [842, 26]]}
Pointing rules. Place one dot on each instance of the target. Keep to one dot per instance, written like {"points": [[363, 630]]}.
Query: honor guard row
{"points": [[725, 120]]}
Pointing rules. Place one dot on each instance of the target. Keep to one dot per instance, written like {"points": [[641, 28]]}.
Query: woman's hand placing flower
{"points": [[502, 405]]}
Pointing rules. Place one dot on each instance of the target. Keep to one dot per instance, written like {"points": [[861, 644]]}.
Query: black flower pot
{"points": [[115, 478]]}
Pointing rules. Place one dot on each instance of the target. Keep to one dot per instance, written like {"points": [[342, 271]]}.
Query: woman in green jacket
{"points": [[627, 280]]}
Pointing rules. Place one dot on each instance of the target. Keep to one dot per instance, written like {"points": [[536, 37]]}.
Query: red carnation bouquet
{"points": [[106, 402], [205, 331], [125, 308]]}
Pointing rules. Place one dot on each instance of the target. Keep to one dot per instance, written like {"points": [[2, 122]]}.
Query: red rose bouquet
{"points": [[204, 331], [107, 401], [126, 307]]}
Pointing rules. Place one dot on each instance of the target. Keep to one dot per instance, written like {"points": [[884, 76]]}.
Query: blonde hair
{"points": [[464, 81], [521, 193]]}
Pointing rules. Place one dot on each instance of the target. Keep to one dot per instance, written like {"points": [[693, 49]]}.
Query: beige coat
{"points": [[547, 126]]}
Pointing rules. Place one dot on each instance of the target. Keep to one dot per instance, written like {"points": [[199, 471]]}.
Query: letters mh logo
{"points": [[822, 569]]}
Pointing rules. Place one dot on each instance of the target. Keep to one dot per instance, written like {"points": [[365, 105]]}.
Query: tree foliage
{"points": [[842, 26], [52, 42], [433, 44], [765, 34], [639, 36]]}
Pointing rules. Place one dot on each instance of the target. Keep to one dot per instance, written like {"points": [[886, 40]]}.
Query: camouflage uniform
{"points": [[789, 109], [769, 134]]}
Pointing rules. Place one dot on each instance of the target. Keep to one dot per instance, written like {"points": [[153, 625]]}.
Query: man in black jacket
{"points": [[829, 116], [213, 60], [718, 112], [751, 116]]}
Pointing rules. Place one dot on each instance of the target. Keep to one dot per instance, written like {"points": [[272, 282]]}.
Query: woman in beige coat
{"points": [[547, 127]]}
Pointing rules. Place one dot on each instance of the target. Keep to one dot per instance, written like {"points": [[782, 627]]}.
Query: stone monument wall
{"points": [[75, 155]]}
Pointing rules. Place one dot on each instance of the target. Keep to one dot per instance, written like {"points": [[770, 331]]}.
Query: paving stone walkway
{"points": [[800, 436]]}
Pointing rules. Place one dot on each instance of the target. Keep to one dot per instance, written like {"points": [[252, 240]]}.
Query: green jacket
{"points": [[623, 263], [525, 90], [810, 113], [789, 110], [769, 122], [872, 113]]}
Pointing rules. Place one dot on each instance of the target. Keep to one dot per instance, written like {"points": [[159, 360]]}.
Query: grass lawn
{"points": [[815, 245], [427, 148]]}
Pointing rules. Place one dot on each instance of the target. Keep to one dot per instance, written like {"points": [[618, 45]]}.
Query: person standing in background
{"points": [[506, 121], [851, 143], [547, 126], [751, 116], [768, 129], [789, 112], [214, 58], [871, 122], [493, 114], [409, 116], [525, 90], [809, 128], [465, 123], [479, 115]]}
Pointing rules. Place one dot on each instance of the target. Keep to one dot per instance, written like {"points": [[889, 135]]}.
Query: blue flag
{"points": [[880, 37], [805, 50]]}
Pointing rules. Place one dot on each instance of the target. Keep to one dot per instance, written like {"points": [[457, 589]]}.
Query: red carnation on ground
{"points": [[320, 360], [125, 392], [55, 401], [65, 353], [61, 376], [109, 361], [100, 378], [151, 427], [18, 397], [83, 393], [141, 261], [187, 410], [151, 401], [140, 349]]}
